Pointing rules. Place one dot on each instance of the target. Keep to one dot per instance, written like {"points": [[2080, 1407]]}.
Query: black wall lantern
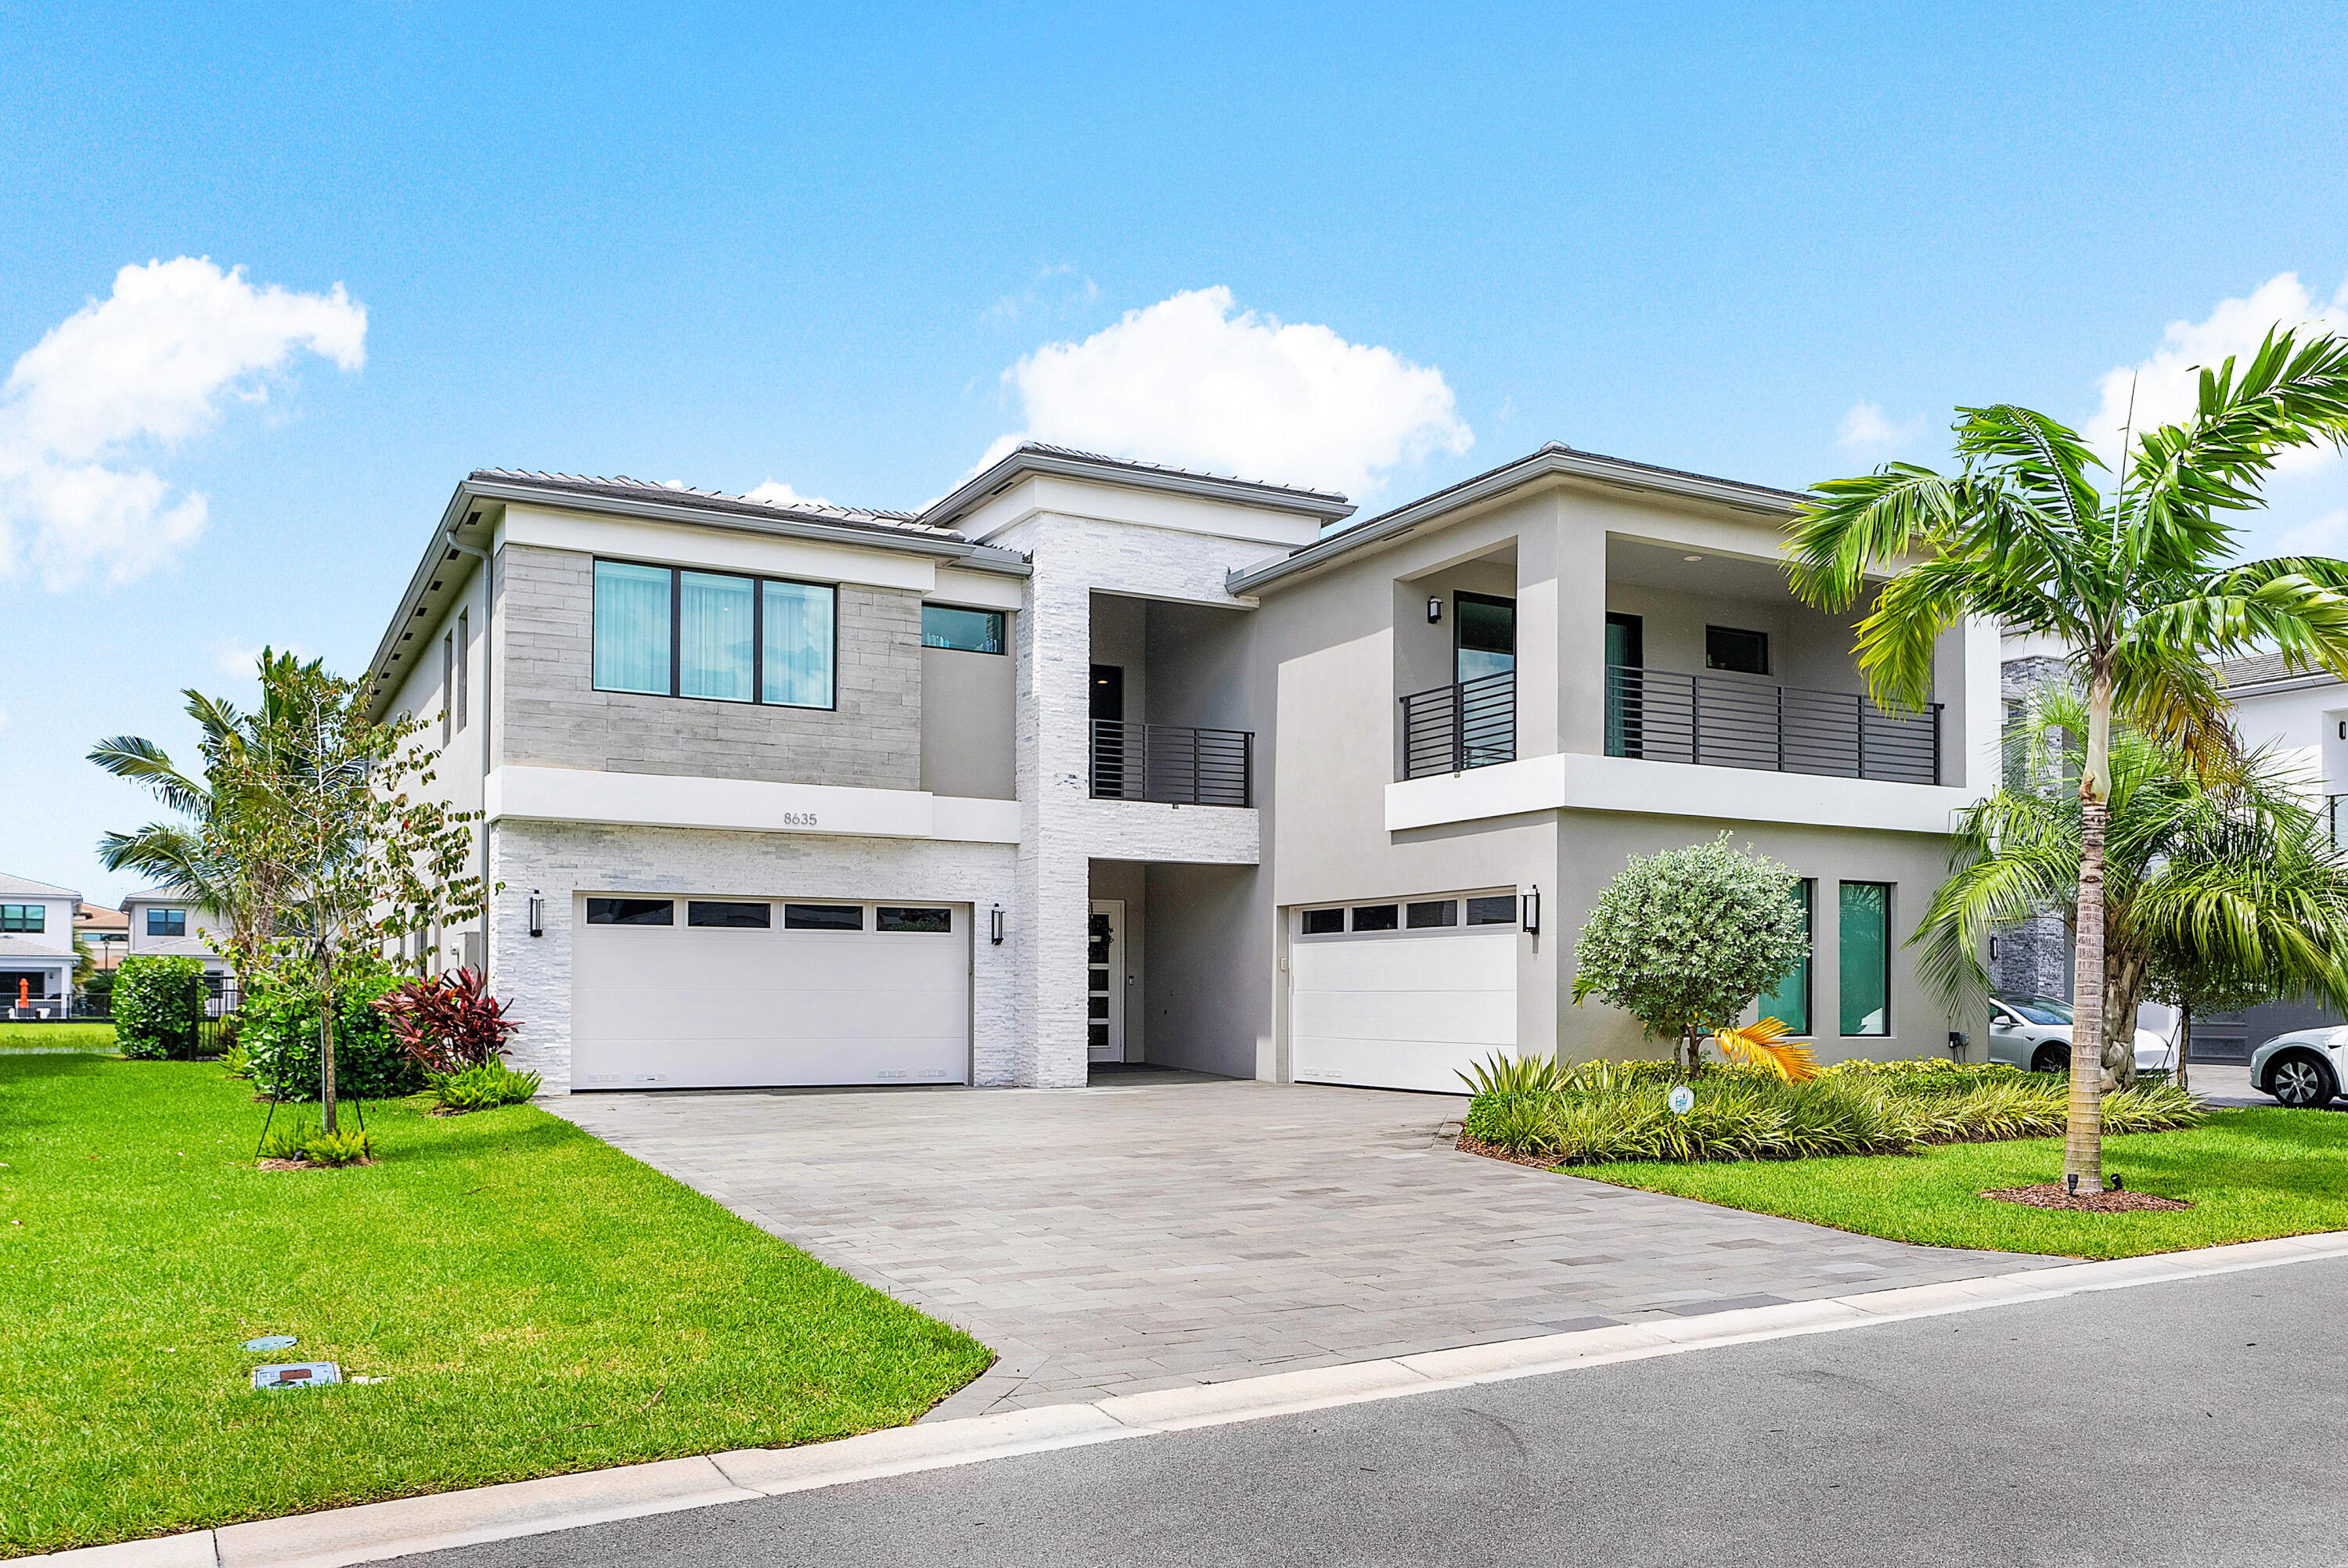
{"points": [[537, 914], [994, 925], [1434, 609], [1532, 912]]}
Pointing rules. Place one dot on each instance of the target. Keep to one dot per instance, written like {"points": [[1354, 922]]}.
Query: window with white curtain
{"points": [[675, 632]]}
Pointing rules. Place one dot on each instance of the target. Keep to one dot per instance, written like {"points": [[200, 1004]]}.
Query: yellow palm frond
{"points": [[1763, 1044]]}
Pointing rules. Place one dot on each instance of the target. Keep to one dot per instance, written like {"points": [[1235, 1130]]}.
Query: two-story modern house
{"points": [[1093, 761], [36, 951]]}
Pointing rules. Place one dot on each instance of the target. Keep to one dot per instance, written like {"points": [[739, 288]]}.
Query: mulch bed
{"points": [[2055, 1195], [1494, 1151], [308, 1164]]}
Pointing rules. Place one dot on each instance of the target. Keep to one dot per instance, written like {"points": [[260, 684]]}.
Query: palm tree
{"points": [[2135, 584], [2221, 887]]}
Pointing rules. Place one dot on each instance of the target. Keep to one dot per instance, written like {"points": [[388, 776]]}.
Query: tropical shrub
{"points": [[482, 1087], [158, 1004], [1600, 1114], [447, 1022], [304, 1139], [279, 1032]]}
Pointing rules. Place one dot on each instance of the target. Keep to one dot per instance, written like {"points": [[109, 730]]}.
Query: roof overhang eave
{"points": [[1204, 486]]}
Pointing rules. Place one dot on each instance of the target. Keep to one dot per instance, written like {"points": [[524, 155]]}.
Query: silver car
{"points": [[2034, 1033], [2302, 1069]]}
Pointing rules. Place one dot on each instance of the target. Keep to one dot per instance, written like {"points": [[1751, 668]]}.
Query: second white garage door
{"points": [[1377, 1001], [680, 993]]}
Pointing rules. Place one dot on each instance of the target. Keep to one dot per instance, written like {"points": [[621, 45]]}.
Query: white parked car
{"points": [[2034, 1033], [2305, 1068]]}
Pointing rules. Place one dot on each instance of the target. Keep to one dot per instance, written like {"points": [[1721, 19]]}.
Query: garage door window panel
{"points": [[631, 912], [1324, 922], [823, 916], [1495, 911], [1432, 914], [919, 922], [1377, 917], [710, 914]]}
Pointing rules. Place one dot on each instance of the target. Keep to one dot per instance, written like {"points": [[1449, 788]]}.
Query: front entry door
{"points": [[1105, 966]]}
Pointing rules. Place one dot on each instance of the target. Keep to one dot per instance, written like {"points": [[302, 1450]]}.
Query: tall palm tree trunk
{"points": [[2082, 1139]]}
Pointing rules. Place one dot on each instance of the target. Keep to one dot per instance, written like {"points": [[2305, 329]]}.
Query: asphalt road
{"points": [[2202, 1422]]}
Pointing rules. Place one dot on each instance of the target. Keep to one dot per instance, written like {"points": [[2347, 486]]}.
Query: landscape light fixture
{"points": [[1434, 609], [537, 914], [994, 925], [2071, 1183]]}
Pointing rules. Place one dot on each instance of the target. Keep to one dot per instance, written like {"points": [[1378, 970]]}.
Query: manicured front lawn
{"points": [[538, 1302], [57, 1037], [2249, 1173]]}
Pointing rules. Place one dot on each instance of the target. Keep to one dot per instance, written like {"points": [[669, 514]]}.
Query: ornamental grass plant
{"points": [[1605, 1111]]}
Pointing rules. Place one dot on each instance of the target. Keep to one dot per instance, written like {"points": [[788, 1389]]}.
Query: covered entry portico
{"points": [[1159, 978]]}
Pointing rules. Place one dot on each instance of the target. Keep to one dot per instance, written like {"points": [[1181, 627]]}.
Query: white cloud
{"points": [[150, 366], [231, 657], [774, 493], [1867, 432], [2322, 536], [1193, 382], [1054, 292], [2164, 388]]}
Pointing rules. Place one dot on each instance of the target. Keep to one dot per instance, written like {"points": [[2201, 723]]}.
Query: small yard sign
{"points": [[297, 1375]]}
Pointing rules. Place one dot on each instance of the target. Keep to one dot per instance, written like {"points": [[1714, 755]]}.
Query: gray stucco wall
{"points": [[1207, 1000], [968, 715], [550, 715]]}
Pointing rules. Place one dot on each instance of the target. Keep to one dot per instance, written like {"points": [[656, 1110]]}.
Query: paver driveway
{"points": [[1157, 1230]]}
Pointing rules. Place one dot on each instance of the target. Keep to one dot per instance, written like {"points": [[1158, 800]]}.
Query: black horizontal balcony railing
{"points": [[1728, 721], [1468, 724], [1172, 764]]}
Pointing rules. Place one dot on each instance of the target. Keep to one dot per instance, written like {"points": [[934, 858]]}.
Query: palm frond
{"points": [[1762, 1043]]}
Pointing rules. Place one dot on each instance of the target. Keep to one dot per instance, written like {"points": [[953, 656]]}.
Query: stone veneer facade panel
{"points": [[553, 716], [561, 860]]}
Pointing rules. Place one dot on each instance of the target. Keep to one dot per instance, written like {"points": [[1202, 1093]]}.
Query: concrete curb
{"points": [[372, 1531]]}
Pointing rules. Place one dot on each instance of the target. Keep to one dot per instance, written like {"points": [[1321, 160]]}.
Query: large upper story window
{"points": [[23, 916], [969, 630], [166, 922], [674, 633]]}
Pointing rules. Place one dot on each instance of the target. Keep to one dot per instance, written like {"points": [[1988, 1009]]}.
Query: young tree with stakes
{"points": [[2136, 584]]}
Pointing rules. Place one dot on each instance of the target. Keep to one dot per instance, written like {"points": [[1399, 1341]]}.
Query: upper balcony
{"points": [[1161, 705]]}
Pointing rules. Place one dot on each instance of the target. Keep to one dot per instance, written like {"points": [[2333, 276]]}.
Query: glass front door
{"points": [[1105, 991]]}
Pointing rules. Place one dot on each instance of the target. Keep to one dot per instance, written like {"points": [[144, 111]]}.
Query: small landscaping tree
{"points": [[1686, 940]]}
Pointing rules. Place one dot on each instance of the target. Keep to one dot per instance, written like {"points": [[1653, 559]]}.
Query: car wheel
{"points": [[2054, 1056], [2301, 1081]]}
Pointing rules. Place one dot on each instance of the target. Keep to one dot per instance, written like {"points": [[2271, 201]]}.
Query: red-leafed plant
{"points": [[447, 1022]]}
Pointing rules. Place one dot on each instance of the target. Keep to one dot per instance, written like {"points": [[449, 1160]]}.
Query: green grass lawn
{"points": [[538, 1301], [2249, 1175], [57, 1037]]}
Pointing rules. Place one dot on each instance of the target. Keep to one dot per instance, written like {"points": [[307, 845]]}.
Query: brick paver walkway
{"points": [[1148, 1232]]}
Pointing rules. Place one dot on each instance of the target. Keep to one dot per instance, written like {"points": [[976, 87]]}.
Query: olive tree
{"points": [[1686, 940]]}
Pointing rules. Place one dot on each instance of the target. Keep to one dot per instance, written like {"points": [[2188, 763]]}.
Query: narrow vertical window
{"points": [[1866, 950], [447, 685], [715, 636], [798, 655], [631, 628], [1788, 1001], [464, 659]]}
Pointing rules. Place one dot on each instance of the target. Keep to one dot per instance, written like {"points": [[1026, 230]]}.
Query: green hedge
{"points": [[158, 1005], [1601, 1115], [278, 1029]]}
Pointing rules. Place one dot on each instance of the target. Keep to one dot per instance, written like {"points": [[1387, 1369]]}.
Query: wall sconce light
{"points": [[1532, 912], [994, 925], [1434, 609], [1958, 1041], [537, 914], [1992, 949]]}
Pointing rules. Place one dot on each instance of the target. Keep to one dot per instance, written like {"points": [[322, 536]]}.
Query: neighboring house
{"points": [[167, 923], [1093, 761], [105, 931], [36, 951]]}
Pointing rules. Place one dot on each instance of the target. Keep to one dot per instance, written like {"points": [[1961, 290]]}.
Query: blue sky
{"points": [[736, 247]]}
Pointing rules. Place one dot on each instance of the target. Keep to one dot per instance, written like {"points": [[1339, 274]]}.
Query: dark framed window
{"points": [[1376, 916], [1484, 635], [710, 912], [164, 923], [1500, 910], [1865, 943], [926, 922], [1732, 648], [36, 918], [1788, 1001], [823, 916], [1324, 922], [966, 630], [1431, 913], [632, 911], [464, 664], [669, 631]]}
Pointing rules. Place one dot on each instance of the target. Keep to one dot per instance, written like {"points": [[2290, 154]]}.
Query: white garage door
{"points": [[708, 993], [1401, 995]]}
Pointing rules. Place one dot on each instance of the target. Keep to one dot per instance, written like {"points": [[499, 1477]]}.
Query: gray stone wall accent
{"points": [[2032, 959], [550, 715], [561, 860]]}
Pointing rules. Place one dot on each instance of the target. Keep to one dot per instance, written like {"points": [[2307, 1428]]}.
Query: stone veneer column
{"points": [[531, 974], [1053, 880]]}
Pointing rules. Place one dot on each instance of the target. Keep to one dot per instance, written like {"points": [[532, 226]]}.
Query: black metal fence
{"points": [[1468, 724], [1728, 721], [1172, 764]]}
